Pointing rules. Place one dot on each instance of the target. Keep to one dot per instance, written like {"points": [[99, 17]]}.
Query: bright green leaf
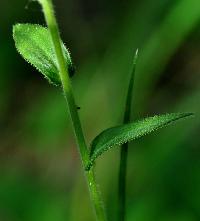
{"points": [[119, 135], [34, 43]]}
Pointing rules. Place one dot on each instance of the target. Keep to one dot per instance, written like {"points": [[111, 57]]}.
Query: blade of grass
{"points": [[124, 148], [49, 14]]}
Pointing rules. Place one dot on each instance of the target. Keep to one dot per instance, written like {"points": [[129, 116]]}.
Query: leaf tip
{"points": [[136, 56], [136, 52], [187, 115]]}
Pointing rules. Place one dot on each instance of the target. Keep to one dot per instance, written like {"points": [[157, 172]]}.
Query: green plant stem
{"points": [[68, 93], [122, 182], [124, 148]]}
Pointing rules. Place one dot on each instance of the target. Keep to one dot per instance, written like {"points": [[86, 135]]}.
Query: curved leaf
{"points": [[34, 43], [119, 135]]}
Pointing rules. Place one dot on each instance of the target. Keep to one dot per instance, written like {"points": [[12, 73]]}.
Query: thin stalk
{"points": [[68, 93], [124, 147]]}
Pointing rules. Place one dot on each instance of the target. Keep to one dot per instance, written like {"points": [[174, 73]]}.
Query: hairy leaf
{"points": [[34, 43], [119, 135]]}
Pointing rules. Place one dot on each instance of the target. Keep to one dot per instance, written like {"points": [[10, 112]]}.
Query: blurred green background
{"points": [[40, 173]]}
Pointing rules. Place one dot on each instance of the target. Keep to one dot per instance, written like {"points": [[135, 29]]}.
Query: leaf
{"points": [[34, 43], [127, 112], [119, 135], [124, 147]]}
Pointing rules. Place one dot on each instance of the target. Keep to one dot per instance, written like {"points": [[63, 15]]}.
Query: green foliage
{"points": [[129, 97], [124, 147], [34, 43], [119, 135]]}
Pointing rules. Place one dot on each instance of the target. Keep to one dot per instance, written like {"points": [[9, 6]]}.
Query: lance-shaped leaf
{"points": [[124, 147], [34, 43], [119, 135]]}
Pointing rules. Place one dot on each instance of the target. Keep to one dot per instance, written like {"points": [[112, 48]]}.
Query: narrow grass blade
{"points": [[124, 147], [119, 135], [34, 43]]}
